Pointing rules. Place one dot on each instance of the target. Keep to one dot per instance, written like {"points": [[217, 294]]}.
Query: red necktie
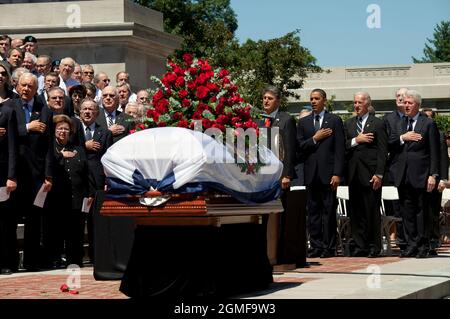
{"points": [[267, 122]]}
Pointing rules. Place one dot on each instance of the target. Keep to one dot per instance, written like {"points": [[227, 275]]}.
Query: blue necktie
{"points": [[27, 113], [410, 125], [359, 126]]}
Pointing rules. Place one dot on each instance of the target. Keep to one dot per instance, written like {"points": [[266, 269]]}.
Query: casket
{"points": [[209, 209]]}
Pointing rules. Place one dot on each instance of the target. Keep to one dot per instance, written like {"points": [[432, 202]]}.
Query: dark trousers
{"points": [[365, 217], [292, 243], [433, 218], [9, 253], [322, 224], [415, 205]]}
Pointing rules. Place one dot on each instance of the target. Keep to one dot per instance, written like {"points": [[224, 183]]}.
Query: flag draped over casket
{"points": [[179, 160]]}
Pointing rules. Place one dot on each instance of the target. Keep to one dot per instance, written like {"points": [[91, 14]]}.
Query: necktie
{"points": [[359, 126], [27, 113], [410, 125], [317, 123], [110, 120], [267, 122], [88, 134]]}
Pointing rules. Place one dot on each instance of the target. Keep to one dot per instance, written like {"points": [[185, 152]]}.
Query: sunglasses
{"points": [[57, 97], [85, 72], [110, 95], [4, 73]]}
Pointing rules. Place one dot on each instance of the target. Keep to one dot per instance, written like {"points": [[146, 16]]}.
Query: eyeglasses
{"points": [[86, 72], [63, 129], [106, 80], [110, 95], [57, 97], [4, 73]]}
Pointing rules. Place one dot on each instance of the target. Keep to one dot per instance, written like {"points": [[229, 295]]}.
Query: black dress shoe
{"points": [[327, 254], [6, 271], [432, 252], [422, 254], [410, 252], [373, 254], [315, 253], [360, 253]]}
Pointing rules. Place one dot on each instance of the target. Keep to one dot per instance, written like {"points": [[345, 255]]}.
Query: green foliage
{"points": [[206, 26], [442, 122], [329, 104], [438, 49]]}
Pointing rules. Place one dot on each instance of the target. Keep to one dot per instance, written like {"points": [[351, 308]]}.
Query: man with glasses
{"points": [[87, 74], [110, 118], [143, 97], [52, 80], [56, 100]]}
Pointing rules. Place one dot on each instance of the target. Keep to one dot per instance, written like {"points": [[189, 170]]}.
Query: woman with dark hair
{"points": [[8, 156], [77, 94], [65, 225]]}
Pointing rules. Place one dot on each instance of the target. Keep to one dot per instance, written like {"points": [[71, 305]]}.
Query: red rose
{"points": [[191, 85], [219, 126], [183, 123], [223, 73], [220, 108], [179, 71], [162, 106], [206, 123], [193, 71], [73, 292], [212, 87], [180, 81], [158, 96], [202, 92], [182, 94], [162, 124], [177, 116], [169, 78], [64, 288], [187, 58], [197, 115], [186, 103]]}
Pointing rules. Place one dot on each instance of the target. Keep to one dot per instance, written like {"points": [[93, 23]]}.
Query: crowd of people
{"points": [[404, 149], [57, 119]]}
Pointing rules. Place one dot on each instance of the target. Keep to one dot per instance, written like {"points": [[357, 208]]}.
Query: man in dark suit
{"points": [[51, 80], [8, 179], [110, 118], [112, 236], [391, 120], [436, 195], [322, 143], [290, 247], [35, 163], [417, 140], [366, 145]]}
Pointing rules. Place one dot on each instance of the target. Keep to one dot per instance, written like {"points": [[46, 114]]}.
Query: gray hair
{"points": [[17, 73], [274, 90], [88, 99], [366, 96], [55, 88], [401, 91], [415, 95], [30, 55]]}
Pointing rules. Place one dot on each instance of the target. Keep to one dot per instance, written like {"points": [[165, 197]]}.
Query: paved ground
{"points": [[330, 278]]}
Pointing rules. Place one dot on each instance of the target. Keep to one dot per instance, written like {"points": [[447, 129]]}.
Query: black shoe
{"points": [[432, 252], [360, 253], [410, 252], [422, 254], [373, 254], [315, 253], [327, 254], [6, 271]]}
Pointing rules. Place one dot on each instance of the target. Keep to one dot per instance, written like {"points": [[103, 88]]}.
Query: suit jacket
{"points": [[286, 123], [417, 160], [325, 158], [104, 137], [35, 149], [121, 118], [366, 159], [443, 170], [390, 121], [68, 107], [8, 144], [71, 181]]}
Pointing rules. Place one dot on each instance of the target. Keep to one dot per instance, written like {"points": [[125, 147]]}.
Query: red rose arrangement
{"points": [[191, 91]]}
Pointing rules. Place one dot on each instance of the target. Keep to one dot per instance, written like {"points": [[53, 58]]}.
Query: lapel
{"points": [[19, 113], [369, 123], [326, 120], [420, 123], [98, 132]]}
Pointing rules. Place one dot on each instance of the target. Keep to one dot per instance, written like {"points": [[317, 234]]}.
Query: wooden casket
{"points": [[195, 245]]}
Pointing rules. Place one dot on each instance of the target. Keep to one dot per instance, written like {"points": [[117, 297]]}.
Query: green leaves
{"points": [[438, 49]]}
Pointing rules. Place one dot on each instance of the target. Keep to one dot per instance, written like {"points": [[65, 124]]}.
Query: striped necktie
{"points": [[359, 126], [110, 120]]}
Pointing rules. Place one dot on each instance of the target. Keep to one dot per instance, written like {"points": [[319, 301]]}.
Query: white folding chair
{"points": [[444, 213], [388, 193], [343, 221]]}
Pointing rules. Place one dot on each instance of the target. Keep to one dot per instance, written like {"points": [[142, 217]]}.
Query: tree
{"points": [[282, 62], [438, 49], [205, 25]]}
